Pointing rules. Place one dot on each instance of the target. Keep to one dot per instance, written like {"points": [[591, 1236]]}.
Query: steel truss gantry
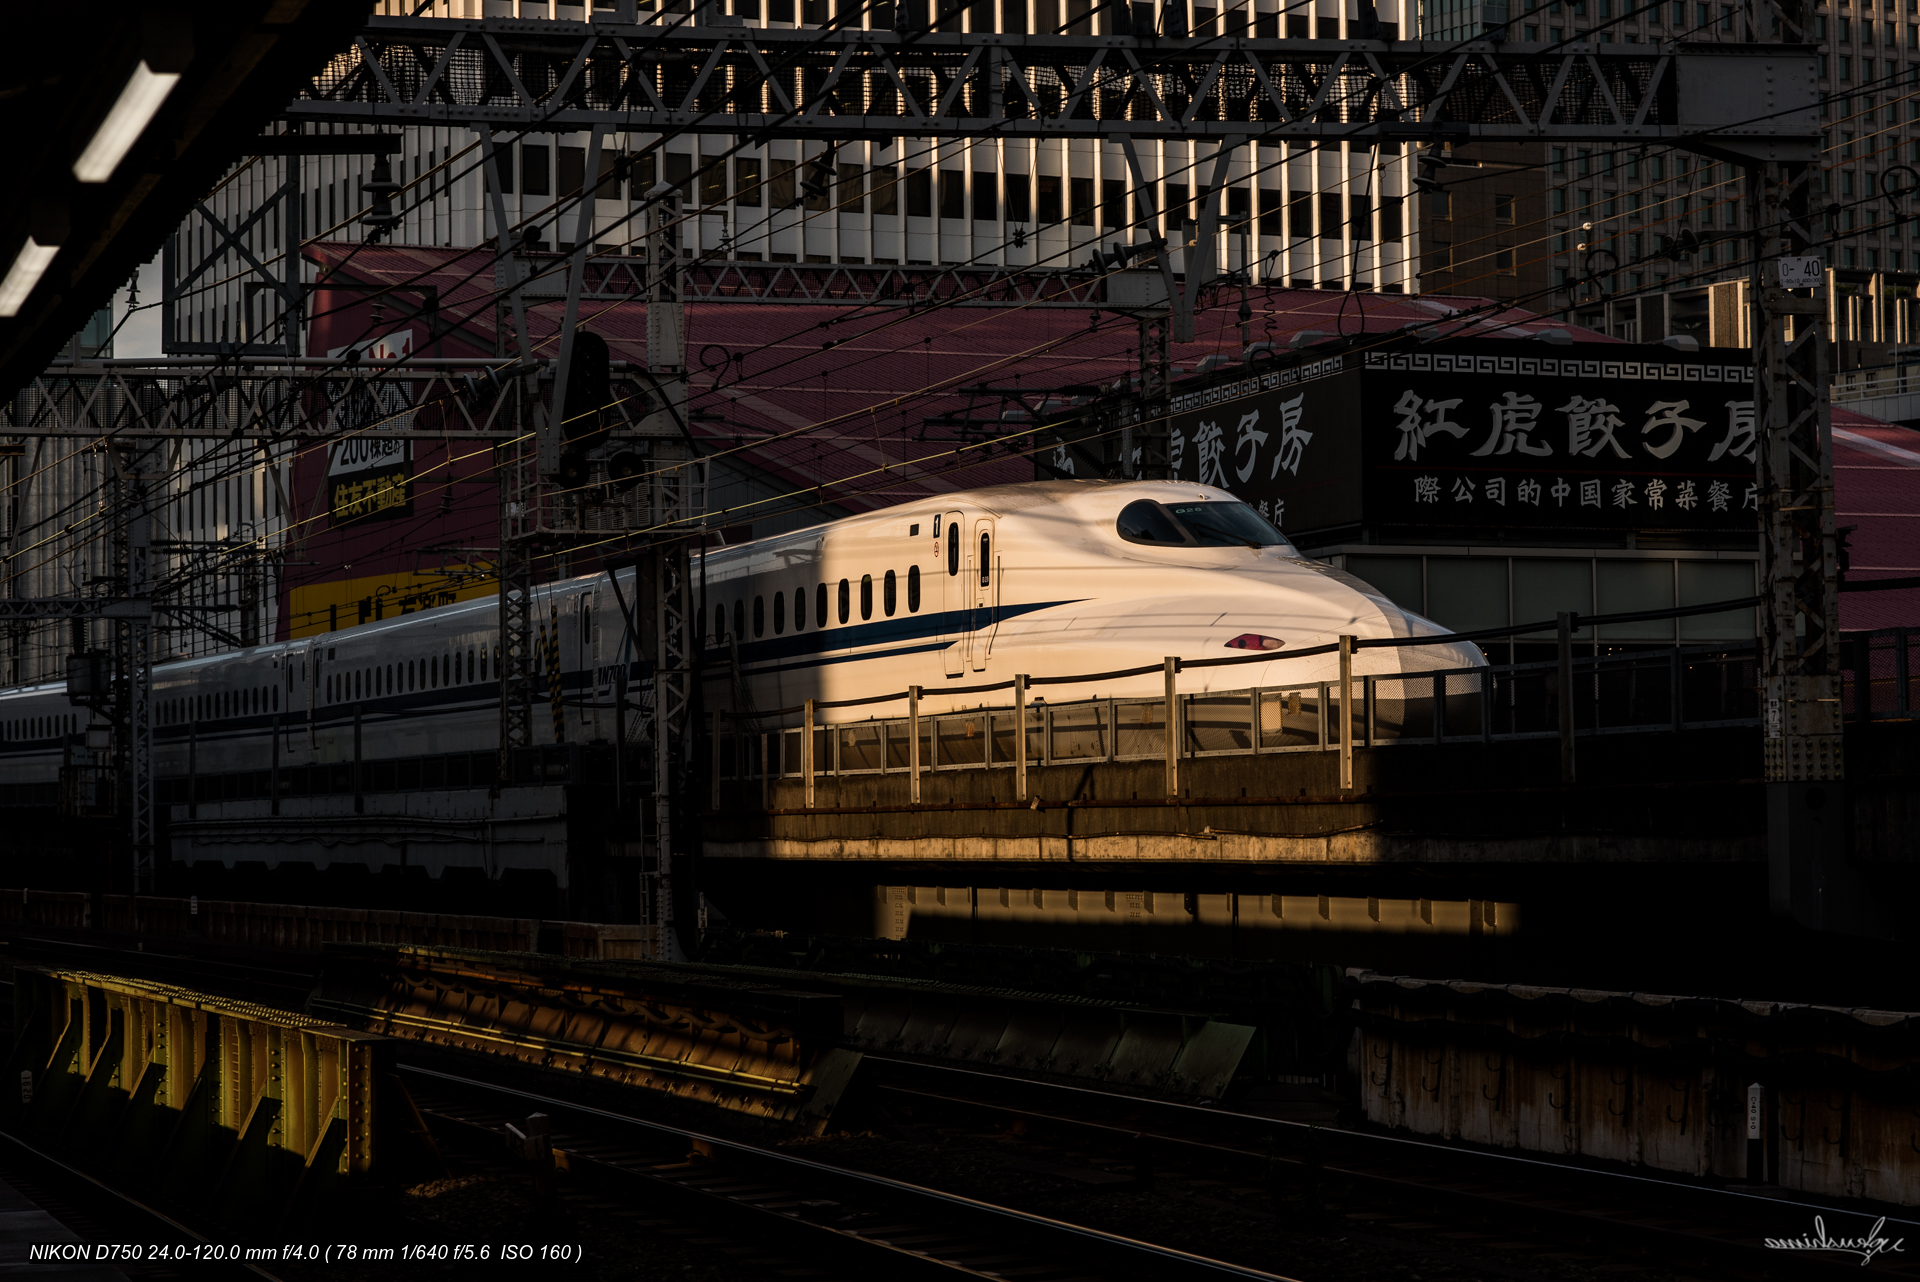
{"points": [[672, 76]]}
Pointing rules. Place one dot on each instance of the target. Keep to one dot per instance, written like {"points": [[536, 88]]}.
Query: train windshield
{"points": [[1225, 524], [1215, 525]]}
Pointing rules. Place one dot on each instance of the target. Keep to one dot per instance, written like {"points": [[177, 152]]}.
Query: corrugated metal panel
{"points": [[1648, 1080]]}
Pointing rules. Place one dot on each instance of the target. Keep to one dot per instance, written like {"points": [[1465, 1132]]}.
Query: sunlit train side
{"points": [[1050, 579]]}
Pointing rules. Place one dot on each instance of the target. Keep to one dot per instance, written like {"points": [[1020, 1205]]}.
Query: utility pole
{"points": [[516, 466], [1809, 876], [663, 588], [138, 754]]}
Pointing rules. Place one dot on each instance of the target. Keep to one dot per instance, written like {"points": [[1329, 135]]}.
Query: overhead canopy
{"points": [[79, 85]]}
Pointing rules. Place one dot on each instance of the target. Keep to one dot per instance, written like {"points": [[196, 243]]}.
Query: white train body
{"points": [[1037, 580], [1021, 579]]}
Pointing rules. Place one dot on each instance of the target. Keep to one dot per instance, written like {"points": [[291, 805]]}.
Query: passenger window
{"points": [[759, 615], [779, 613], [469, 663], [953, 549], [913, 589], [820, 604], [739, 618], [986, 557], [866, 596], [846, 601], [719, 622], [276, 699], [889, 594], [799, 609]]}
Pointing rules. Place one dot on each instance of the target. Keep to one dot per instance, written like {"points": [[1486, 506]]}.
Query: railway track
{"points": [[269, 977], [98, 1213], [1406, 1183], [829, 1217]]}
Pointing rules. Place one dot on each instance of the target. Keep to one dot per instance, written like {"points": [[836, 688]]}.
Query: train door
{"points": [[956, 599], [982, 585], [310, 674], [593, 662]]}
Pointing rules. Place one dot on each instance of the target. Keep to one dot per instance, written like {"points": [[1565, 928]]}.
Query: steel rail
{"points": [[156, 1231], [917, 1228], [1614, 1202]]}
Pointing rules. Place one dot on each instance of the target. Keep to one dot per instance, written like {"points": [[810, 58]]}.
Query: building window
{"points": [[986, 196], [1080, 192], [1049, 199], [535, 169], [1178, 210], [1503, 210], [1503, 261], [1270, 206], [1019, 207], [851, 193], [746, 181]]}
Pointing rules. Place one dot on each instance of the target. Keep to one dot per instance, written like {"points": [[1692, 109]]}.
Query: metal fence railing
{"points": [[1681, 688], [1879, 682], [1867, 384]]}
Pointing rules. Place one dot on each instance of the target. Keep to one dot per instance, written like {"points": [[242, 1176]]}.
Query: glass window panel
{"points": [[962, 741], [1543, 588], [1080, 732], [1397, 576], [1219, 723], [861, 747], [1467, 592], [1622, 587], [1290, 718], [1702, 582], [1139, 729]]}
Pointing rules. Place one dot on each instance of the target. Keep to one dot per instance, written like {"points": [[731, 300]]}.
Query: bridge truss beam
{"points": [[504, 74]]}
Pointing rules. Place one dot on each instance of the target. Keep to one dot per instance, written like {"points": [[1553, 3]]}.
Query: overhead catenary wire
{"points": [[1143, 219]]}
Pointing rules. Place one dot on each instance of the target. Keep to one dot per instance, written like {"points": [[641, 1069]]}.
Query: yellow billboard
{"points": [[319, 608]]}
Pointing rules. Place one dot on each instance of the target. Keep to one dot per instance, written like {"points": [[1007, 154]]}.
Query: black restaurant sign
{"points": [[1488, 433]]}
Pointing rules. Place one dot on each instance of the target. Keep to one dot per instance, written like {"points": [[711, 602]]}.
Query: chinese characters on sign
{"points": [[1593, 425], [1482, 432], [1488, 436]]}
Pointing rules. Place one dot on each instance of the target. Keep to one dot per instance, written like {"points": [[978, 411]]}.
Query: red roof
{"points": [[840, 393], [1876, 481]]}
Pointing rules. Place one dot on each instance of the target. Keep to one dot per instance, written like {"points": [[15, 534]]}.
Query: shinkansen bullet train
{"points": [[1047, 579]]}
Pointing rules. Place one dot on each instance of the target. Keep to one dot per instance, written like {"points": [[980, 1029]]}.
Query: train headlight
{"points": [[1254, 641]]}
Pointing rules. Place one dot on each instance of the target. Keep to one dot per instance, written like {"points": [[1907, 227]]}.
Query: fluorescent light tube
{"points": [[28, 266], [132, 112]]}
